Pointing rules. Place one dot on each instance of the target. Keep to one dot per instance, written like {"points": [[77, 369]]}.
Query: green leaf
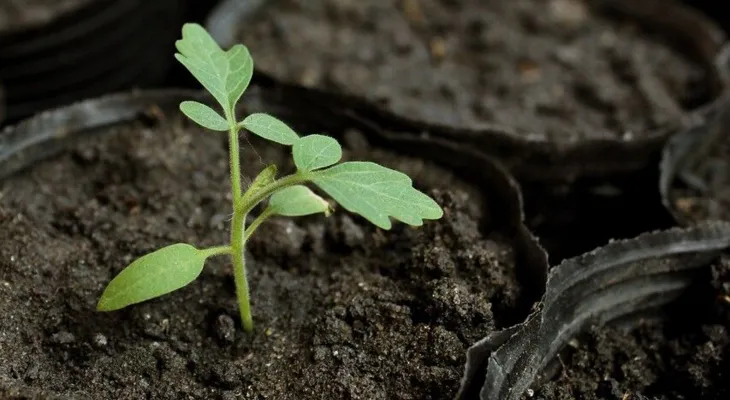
{"points": [[225, 74], [263, 179], [296, 201], [240, 72], [270, 128], [316, 151], [377, 193], [153, 275], [203, 115]]}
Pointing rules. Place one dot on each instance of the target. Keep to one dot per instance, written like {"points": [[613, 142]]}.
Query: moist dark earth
{"points": [[706, 195], [341, 308], [550, 69], [685, 356]]}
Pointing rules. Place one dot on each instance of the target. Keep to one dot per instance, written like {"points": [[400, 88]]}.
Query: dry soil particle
{"points": [[549, 68], [342, 309], [685, 357]]}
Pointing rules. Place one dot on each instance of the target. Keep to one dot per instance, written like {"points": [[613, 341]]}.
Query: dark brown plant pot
{"points": [[555, 89], [649, 316], [695, 170], [341, 309], [86, 51]]}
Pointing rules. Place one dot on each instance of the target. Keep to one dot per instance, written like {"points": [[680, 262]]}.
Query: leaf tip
{"points": [[192, 27], [386, 224], [103, 305], [436, 212]]}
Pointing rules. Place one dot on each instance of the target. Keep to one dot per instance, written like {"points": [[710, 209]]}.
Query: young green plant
{"points": [[375, 192]]}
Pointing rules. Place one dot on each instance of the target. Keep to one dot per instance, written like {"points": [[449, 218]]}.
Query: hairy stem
{"points": [[237, 228], [239, 266], [289, 180], [240, 235], [242, 206], [256, 223], [235, 161], [239, 270], [216, 251]]}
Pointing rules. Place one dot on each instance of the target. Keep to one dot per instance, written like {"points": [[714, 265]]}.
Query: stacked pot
{"points": [[538, 150], [53, 53]]}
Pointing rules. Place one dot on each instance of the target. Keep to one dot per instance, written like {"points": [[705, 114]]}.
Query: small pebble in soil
{"points": [[100, 340], [225, 328], [63, 337]]}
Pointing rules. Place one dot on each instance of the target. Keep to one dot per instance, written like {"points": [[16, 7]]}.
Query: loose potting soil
{"points": [[341, 309]]}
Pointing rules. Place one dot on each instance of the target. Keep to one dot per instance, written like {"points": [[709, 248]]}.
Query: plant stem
{"points": [[235, 161], [290, 180], [256, 223], [216, 251], [239, 271], [242, 205], [237, 228]]}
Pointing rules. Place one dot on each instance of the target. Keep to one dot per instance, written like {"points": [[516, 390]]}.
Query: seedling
{"points": [[375, 192]]}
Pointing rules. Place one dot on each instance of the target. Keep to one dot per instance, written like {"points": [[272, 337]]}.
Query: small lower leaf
{"points": [[203, 115], [297, 201], [153, 275], [264, 178], [316, 151], [270, 128]]}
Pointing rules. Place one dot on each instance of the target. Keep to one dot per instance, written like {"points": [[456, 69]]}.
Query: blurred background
{"points": [[56, 52], [53, 53]]}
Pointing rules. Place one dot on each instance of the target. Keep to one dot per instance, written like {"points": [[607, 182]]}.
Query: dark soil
{"points": [[686, 356], [707, 194], [342, 309], [18, 14], [2, 104], [552, 69]]}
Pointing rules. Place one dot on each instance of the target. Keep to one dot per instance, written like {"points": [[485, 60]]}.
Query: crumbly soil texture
{"points": [[684, 356], [706, 193], [342, 310], [550, 69]]}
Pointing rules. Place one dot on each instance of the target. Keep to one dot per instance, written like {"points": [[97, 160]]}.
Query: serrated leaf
{"points": [[225, 74], [316, 151], [203, 115], [377, 193], [153, 275], [296, 201], [270, 128]]}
